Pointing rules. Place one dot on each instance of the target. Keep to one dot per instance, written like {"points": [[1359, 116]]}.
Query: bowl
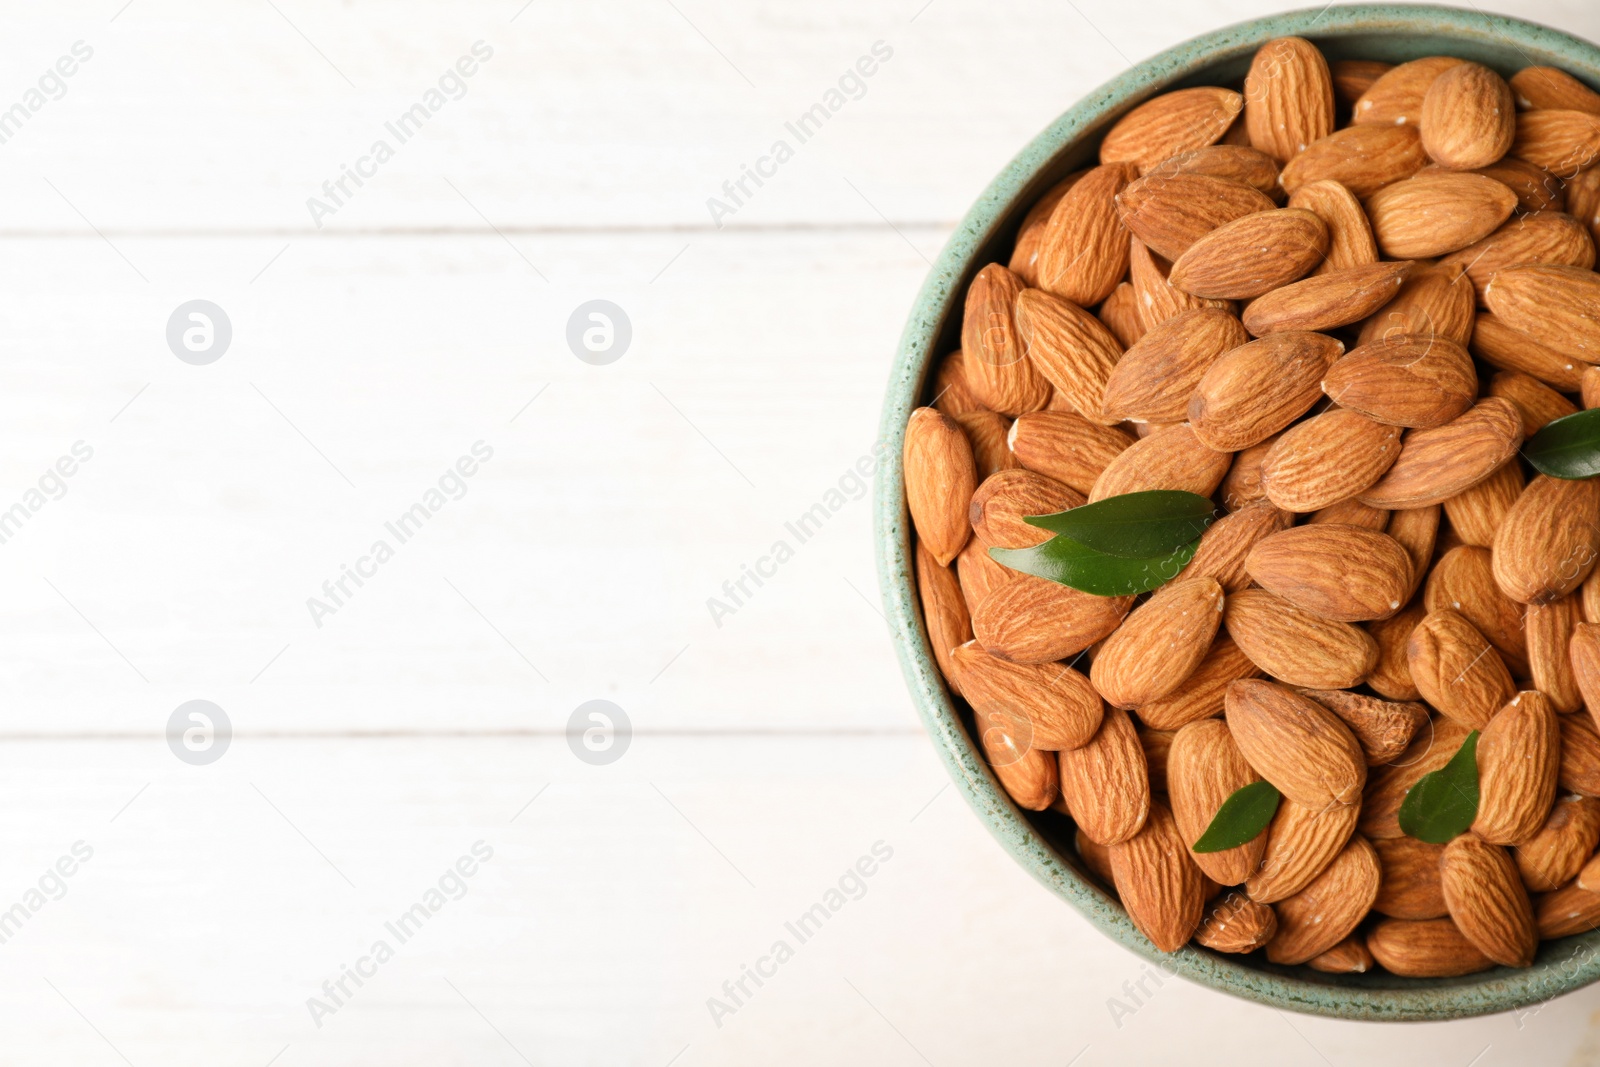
{"points": [[1042, 842]]}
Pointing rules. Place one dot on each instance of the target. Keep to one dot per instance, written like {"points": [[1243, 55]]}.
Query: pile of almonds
{"points": [[1336, 303]]}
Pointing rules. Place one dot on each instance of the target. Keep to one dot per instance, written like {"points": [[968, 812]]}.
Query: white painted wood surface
{"points": [[770, 752]]}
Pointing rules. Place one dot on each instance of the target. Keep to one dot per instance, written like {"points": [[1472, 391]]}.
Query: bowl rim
{"points": [[1562, 965]]}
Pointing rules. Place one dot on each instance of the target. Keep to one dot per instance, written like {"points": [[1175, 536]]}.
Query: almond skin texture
{"points": [[1468, 119], [1027, 774], [1170, 212], [1396, 98], [1253, 255], [1254, 391], [1551, 89], [1363, 159], [1557, 306], [1456, 669], [1432, 303], [1061, 708], [1325, 912], [1205, 768], [1391, 677], [1349, 956], [1159, 644], [1463, 580], [1536, 188], [1235, 923], [1580, 756], [1554, 856], [1409, 380], [980, 575], [1417, 530], [1435, 464], [1546, 544], [1476, 514], [1237, 163], [1170, 458], [1096, 857], [1549, 629], [1033, 620], [1327, 459], [986, 431], [1353, 77], [953, 389], [1584, 655], [1547, 237], [1171, 123], [1296, 647], [1106, 784], [1119, 313], [1344, 573], [1487, 901], [1562, 142], [1065, 446], [1288, 97], [1351, 512], [1226, 544], [994, 367], [940, 479], [1298, 745], [1153, 380], [1327, 300], [944, 610], [1069, 347], [1350, 240], [1437, 212], [1000, 503], [1536, 402], [1155, 297], [1384, 728], [1025, 254], [1242, 486], [1159, 884], [1569, 910], [1431, 948], [1519, 754], [1387, 786], [1201, 694], [1411, 887], [1301, 842], [1083, 251]]}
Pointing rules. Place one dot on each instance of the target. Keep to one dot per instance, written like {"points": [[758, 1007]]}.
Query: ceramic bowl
{"points": [[1042, 842]]}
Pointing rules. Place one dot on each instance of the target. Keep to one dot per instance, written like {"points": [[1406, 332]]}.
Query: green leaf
{"points": [[1444, 803], [1064, 560], [1241, 817], [1568, 447], [1135, 525]]}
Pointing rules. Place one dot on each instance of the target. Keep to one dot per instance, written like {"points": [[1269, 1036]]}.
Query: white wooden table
{"points": [[427, 713]]}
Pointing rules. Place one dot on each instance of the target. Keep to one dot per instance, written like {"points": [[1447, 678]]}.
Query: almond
{"points": [[1475, 514], [1055, 706], [1201, 694], [1205, 768], [995, 370], [1383, 728], [1457, 670], [1569, 910], [1536, 188], [1463, 580], [1295, 743], [1391, 677], [1170, 212], [1157, 299], [1431, 303], [1065, 446], [1158, 881], [1554, 856], [1557, 306], [1106, 783], [1396, 98], [1413, 381], [1258, 389], [1238, 163], [987, 432], [1156, 745], [1487, 901], [1027, 774], [1288, 97], [1435, 213], [953, 390], [944, 610], [1119, 313], [1083, 250], [1351, 512], [1153, 380], [1580, 756], [980, 575], [1325, 912], [1589, 873], [1519, 754], [1301, 842], [1327, 459], [1547, 237], [1536, 402], [1508, 349], [1242, 486], [1000, 504], [1583, 651], [1034, 620], [1252, 255], [1226, 544], [1295, 646], [1589, 598], [1410, 887], [1437, 463], [1170, 458], [1171, 123], [1467, 118], [1234, 923], [1095, 857], [1387, 786], [1328, 300], [1343, 573], [1024, 261], [1350, 240], [1353, 77], [1349, 956], [1562, 142], [1549, 630], [1583, 200], [1159, 644], [1546, 544], [940, 479], [1416, 529], [1363, 159], [1069, 347], [1431, 948], [1550, 89]]}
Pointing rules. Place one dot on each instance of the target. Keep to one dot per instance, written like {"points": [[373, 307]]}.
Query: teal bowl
{"points": [[1041, 842]]}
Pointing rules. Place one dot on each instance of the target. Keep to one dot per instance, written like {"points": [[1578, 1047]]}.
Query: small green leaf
{"points": [[1241, 817], [1444, 803], [1568, 447], [1064, 560], [1135, 525]]}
